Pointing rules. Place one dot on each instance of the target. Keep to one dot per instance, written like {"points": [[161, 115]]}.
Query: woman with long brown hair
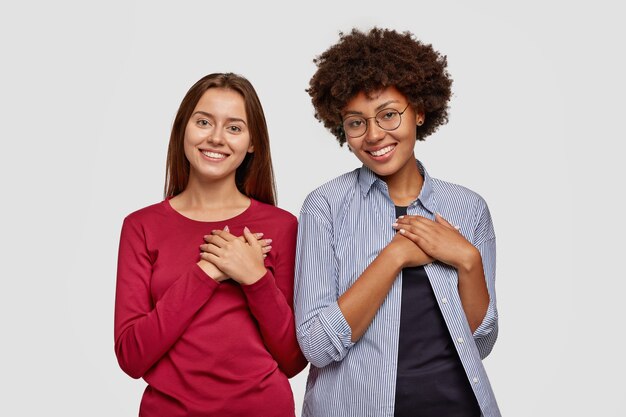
{"points": [[203, 309]]}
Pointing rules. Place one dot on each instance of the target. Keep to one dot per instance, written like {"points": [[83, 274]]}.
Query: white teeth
{"points": [[214, 155], [383, 151]]}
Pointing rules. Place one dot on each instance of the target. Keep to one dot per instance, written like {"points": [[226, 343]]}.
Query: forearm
{"points": [[360, 303], [143, 335], [473, 289], [276, 323]]}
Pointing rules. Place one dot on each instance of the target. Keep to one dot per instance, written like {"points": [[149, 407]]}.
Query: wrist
{"points": [[393, 256], [470, 261], [211, 270], [254, 276]]}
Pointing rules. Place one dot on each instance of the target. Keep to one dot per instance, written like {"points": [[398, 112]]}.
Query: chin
{"points": [[382, 171]]}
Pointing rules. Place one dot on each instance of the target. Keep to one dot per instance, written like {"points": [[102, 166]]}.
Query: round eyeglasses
{"points": [[387, 119]]}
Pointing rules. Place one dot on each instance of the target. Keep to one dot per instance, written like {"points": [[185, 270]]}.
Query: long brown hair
{"points": [[255, 176]]}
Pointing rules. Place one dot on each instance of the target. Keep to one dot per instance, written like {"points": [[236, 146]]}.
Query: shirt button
{"points": [[444, 300], [475, 380], [460, 340]]}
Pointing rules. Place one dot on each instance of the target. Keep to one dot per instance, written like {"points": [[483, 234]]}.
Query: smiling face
{"points": [[386, 153], [217, 137]]}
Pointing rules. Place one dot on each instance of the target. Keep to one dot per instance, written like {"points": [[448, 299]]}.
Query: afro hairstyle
{"points": [[369, 62]]}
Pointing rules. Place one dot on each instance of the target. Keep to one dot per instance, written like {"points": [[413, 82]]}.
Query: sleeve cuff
{"points": [[262, 290], [487, 325], [202, 276], [334, 322], [260, 283]]}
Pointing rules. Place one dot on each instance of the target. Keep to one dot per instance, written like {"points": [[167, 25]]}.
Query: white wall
{"points": [[88, 94]]}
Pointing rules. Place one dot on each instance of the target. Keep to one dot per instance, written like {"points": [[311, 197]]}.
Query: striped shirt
{"points": [[344, 224]]}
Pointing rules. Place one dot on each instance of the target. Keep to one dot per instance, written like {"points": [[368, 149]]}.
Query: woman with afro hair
{"points": [[395, 270]]}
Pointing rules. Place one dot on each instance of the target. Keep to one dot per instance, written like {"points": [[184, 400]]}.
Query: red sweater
{"points": [[206, 348]]}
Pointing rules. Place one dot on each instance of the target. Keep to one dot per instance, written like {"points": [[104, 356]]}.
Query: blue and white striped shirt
{"points": [[344, 224]]}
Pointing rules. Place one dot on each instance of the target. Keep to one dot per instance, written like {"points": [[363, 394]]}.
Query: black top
{"points": [[431, 380]]}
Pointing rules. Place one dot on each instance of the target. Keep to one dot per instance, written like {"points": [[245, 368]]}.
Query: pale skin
{"points": [[216, 142], [421, 240]]}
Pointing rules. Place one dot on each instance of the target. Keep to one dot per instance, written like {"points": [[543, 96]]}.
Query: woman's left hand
{"points": [[439, 239], [240, 259]]}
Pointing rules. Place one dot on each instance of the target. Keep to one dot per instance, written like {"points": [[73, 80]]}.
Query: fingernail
{"points": [[268, 241], [259, 235], [226, 229], [401, 217], [268, 247], [402, 231], [214, 231], [394, 225], [245, 229]]}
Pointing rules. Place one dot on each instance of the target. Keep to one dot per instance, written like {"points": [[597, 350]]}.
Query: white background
{"points": [[88, 93]]}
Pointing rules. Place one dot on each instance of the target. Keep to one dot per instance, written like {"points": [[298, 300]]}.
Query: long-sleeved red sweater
{"points": [[206, 348]]}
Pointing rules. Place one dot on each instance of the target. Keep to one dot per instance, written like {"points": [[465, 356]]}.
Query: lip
{"points": [[210, 158], [384, 157]]}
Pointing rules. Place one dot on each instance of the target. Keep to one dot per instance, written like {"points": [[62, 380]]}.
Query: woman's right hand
{"points": [[219, 276], [241, 260], [407, 252]]}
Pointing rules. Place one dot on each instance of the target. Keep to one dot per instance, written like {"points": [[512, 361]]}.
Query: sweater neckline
{"points": [[242, 215]]}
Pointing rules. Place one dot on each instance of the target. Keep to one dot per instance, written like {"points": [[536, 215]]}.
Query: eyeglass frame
{"points": [[400, 113]]}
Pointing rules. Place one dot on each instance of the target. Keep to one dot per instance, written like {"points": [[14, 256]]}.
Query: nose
{"points": [[374, 132], [216, 137]]}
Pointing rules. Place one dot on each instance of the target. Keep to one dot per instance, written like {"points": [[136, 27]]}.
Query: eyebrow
{"points": [[379, 108], [229, 119]]}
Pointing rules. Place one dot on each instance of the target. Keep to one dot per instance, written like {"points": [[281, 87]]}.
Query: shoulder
{"points": [[276, 223], [463, 206], [331, 194], [276, 213], [142, 223], [448, 193], [274, 220], [154, 212]]}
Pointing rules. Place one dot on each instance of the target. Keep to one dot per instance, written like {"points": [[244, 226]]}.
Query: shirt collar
{"points": [[367, 179]]}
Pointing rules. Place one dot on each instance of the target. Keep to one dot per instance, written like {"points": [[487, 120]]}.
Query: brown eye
{"points": [[388, 115], [353, 123]]}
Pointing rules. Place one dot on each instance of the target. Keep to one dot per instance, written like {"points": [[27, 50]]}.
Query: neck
{"points": [[210, 200], [405, 185]]}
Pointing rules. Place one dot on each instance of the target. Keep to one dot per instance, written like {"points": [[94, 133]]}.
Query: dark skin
{"points": [[444, 243], [420, 240], [360, 303]]}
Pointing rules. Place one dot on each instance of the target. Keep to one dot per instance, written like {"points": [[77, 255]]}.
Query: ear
{"points": [[251, 148], [420, 117]]}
